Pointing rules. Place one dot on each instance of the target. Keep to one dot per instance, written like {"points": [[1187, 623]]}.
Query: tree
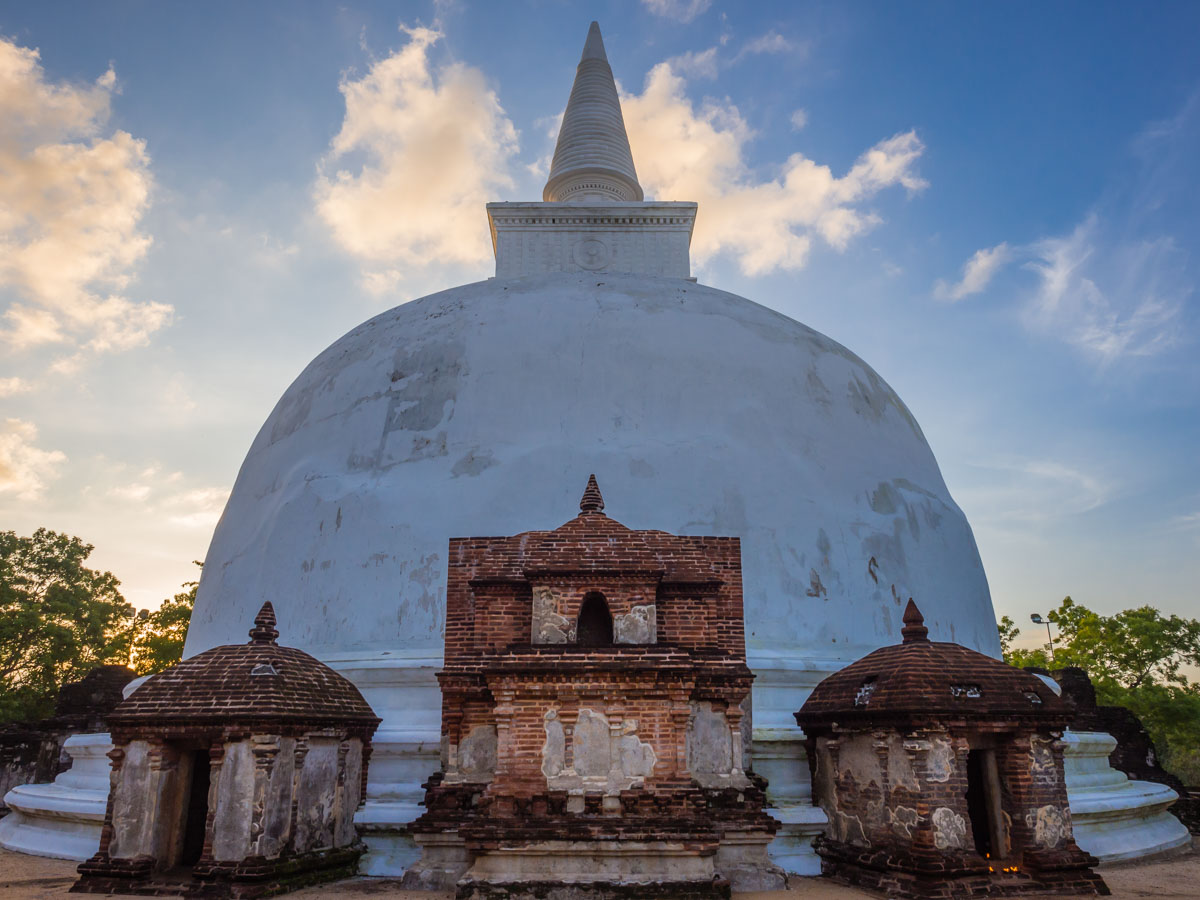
{"points": [[58, 620], [1135, 659], [160, 635], [1017, 656], [1133, 648]]}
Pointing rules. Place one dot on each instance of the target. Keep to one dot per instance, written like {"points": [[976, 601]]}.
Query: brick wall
{"points": [[695, 584]]}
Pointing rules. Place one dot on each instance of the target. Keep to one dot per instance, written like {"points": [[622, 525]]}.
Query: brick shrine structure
{"points": [[595, 707], [235, 773], [941, 771]]}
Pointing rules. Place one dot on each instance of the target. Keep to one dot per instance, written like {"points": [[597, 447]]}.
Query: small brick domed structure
{"points": [[236, 773], [941, 772]]}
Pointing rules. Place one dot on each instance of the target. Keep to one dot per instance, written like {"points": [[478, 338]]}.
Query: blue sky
{"points": [[995, 205]]}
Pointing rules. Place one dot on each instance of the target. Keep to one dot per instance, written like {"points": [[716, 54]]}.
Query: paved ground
{"points": [[34, 878]]}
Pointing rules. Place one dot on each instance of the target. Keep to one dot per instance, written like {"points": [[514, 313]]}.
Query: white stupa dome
{"points": [[482, 410]]}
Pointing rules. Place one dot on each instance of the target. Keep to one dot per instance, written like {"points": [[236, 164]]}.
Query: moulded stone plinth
{"points": [[62, 819], [590, 869], [405, 751], [444, 860], [743, 861], [781, 685], [1115, 818]]}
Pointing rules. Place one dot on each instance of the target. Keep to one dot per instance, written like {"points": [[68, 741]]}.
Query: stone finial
{"points": [[592, 161], [264, 630], [591, 502], [914, 624]]}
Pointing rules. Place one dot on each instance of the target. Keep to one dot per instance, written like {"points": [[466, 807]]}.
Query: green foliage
{"points": [[1135, 659], [158, 643], [1008, 633], [1017, 656], [58, 620]]}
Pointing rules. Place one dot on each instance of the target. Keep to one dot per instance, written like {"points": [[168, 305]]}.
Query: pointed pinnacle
{"points": [[593, 47], [914, 624], [264, 630], [592, 162], [591, 501]]}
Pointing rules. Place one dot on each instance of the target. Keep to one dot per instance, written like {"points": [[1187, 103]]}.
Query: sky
{"points": [[995, 205]]}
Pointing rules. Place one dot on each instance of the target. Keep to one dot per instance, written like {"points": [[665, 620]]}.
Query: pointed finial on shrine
{"points": [[914, 624], [264, 630], [591, 502]]}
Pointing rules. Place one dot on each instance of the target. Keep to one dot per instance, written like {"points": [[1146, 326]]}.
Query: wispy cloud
{"points": [[1019, 493], [799, 119], [677, 10], [977, 273], [771, 42], [687, 153], [71, 203], [419, 152], [25, 469], [1186, 522], [548, 127], [1109, 299], [1117, 285], [164, 496], [709, 62], [696, 64]]}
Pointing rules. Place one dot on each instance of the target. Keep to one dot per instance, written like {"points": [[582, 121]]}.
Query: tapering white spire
{"points": [[592, 161], [593, 216]]}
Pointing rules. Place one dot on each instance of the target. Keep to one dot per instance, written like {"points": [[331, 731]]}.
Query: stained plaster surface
{"points": [[38, 878], [482, 409]]}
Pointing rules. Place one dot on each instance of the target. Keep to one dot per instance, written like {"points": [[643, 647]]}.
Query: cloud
{"points": [[24, 468], [1118, 285], [977, 273], [708, 63], [1185, 522], [1029, 493], [1109, 298], [418, 154], [163, 497], [677, 10], [71, 204], [799, 119], [199, 508], [696, 64], [685, 153], [771, 42], [10, 387], [548, 127]]}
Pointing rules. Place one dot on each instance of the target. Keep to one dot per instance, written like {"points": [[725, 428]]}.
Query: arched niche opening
{"points": [[595, 626]]}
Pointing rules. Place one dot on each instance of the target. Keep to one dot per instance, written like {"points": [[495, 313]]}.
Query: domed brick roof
{"points": [[922, 679], [258, 680]]}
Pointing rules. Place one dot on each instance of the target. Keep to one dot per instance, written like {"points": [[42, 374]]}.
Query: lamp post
{"points": [[1037, 619]]}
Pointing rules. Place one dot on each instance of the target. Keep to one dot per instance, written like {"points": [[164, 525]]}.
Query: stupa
{"points": [[477, 409]]}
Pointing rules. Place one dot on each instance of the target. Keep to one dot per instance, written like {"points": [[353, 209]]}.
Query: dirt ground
{"points": [[36, 878]]}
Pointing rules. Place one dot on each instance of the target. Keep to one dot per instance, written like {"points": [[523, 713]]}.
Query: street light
{"points": [[1037, 619]]}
